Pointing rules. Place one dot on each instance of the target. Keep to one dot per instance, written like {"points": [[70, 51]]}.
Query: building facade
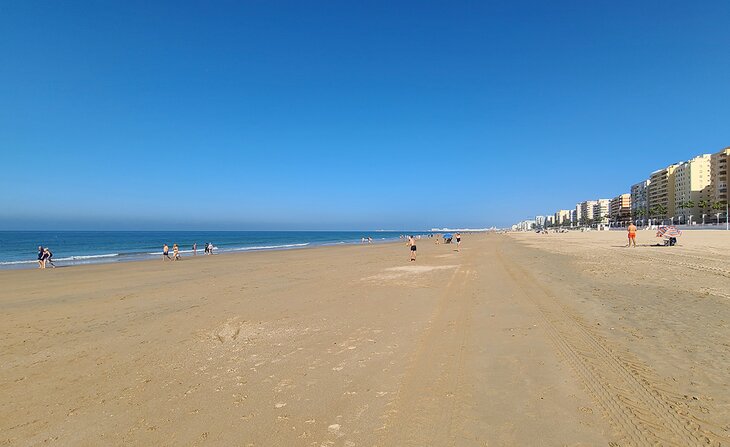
{"points": [[661, 193], [692, 190], [562, 217], [640, 201], [586, 212], [719, 176], [619, 209], [600, 211]]}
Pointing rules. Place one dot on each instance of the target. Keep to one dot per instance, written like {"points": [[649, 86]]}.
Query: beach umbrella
{"points": [[448, 235], [668, 231]]}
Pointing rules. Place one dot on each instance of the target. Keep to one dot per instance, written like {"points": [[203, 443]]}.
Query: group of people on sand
{"points": [[412, 244], [176, 251], [45, 256]]}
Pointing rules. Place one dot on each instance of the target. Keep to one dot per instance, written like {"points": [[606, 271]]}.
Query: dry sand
{"points": [[524, 339]]}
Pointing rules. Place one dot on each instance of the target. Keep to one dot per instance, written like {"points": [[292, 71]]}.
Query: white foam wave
{"points": [[17, 262], [266, 247], [70, 258], [81, 258]]}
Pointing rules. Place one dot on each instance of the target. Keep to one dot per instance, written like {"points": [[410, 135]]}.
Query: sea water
{"points": [[19, 249]]}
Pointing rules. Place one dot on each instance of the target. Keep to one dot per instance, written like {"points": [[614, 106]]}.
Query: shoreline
{"points": [[118, 258], [155, 259]]}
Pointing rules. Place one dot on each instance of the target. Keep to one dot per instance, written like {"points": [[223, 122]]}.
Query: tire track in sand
{"points": [[418, 415], [634, 401]]}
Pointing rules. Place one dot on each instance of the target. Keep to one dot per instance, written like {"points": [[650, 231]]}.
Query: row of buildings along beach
{"points": [[686, 193]]}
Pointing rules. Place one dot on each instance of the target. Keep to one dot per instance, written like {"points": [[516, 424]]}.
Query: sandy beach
{"points": [[519, 339]]}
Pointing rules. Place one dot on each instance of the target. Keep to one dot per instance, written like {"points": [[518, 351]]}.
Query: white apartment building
{"points": [[600, 211], [540, 221], [576, 214], [525, 225], [586, 211]]}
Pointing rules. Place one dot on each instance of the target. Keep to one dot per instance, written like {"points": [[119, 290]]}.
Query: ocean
{"points": [[19, 249]]}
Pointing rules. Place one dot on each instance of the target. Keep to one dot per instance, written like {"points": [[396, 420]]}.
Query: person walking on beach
{"points": [[41, 261], [48, 258], [632, 235], [210, 248], [195, 248], [166, 253], [458, 241], [412, 244], [175, 252]]}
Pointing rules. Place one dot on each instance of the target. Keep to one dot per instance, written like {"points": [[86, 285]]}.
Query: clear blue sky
{"points": [[347, 115]]}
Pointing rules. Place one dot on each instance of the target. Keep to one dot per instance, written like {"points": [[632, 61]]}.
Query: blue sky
{"points": [[347, 115]]}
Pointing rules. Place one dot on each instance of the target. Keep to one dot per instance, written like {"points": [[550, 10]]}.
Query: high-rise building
{"points": [[562, 217], [540, 221], [640, 201], [577, 214], [586, 211], [600, 211], [692, 188], [661, 193], [619, 209], [525, 225], [719, 176]]}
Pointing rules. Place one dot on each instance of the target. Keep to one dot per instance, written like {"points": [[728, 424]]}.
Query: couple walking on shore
{"points": [[166, 253], [45, 256]]}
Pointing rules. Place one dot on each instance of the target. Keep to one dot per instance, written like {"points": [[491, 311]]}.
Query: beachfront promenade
{"points": [[519, 339]]}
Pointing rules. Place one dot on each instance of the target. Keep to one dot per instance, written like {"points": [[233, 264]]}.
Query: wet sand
{"points": [[516, 340]]}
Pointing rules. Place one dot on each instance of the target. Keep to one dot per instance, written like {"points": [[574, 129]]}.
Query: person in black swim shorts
{"points": [[412, 243]]}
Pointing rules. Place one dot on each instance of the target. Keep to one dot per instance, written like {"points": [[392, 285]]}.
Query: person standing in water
{"points": [[412, 244], [166, 253]]}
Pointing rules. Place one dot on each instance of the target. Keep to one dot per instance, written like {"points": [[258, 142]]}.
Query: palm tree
{"points": [[659, 210], [717, 206], [703, 204]]}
